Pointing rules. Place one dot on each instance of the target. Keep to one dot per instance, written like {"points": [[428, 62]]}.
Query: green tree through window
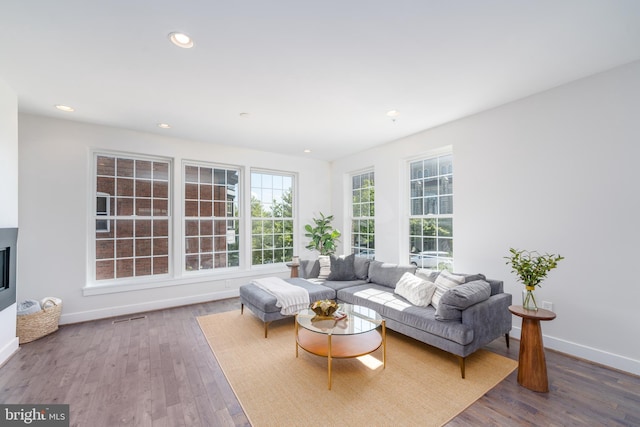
{"points": [[271, 218], [363, 215]]}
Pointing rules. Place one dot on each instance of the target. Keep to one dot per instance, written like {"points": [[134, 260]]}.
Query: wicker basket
{"points": [[30, 327]]}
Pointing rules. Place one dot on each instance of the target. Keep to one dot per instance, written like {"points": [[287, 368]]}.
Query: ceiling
{"points": [[318, 75]]}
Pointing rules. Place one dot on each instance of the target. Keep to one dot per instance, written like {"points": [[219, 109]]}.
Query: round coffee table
{"points": [[352, 336]]}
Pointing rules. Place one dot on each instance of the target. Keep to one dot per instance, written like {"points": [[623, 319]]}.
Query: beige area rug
{"points": [[421, 385]]}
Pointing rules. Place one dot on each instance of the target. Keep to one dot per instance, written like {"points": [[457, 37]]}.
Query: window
{"points": [[431, 218], [362, 215], [211, 220], [103, 202], [131, 217], [271, 218]]}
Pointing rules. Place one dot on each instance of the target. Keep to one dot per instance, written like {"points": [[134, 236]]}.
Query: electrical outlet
{"points": [[547, 305]]}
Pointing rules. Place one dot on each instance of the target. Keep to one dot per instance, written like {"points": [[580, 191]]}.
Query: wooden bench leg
{"points": [[266, 328]]}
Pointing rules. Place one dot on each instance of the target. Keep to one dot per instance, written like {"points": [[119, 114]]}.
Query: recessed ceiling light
{"points": [[244, 115], [307, 150], [164, 126], [181, 40], [393, 113], [65, 108]]}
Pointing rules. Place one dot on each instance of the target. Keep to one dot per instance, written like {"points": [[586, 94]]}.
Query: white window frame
{"points": [[96, 217], [229, 236], [368, 252], [434, 258], [287, 256]]}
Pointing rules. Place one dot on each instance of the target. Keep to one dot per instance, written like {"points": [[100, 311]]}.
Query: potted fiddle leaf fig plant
{"points": [[324, 237], [531, 268]]}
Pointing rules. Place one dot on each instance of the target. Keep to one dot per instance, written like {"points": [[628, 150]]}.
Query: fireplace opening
{"points": [[8, 252], [5, 256]]}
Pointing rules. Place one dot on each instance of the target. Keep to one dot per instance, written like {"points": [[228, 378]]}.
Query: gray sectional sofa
{"points": [[469, 316]]}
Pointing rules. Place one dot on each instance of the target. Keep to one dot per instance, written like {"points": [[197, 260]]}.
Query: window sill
{"points": [[190, 279]]}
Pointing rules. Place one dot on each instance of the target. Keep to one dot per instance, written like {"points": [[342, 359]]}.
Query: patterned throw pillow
{"points": [[415, 290], [444, 282]]}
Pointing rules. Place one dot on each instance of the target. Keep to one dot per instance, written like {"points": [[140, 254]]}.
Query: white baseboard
{"points": [[84, 316], [9, 350], [588, 353]]}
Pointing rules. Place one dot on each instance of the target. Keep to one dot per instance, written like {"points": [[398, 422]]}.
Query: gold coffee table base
{"points": [[341, 346]]}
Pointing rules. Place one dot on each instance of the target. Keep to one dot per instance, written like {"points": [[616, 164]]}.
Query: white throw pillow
{"points": [[415, 290], [325, 266], [444, 282]]}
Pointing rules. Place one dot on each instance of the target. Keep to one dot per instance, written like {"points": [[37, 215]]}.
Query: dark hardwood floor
{"points": [[157, 369]]}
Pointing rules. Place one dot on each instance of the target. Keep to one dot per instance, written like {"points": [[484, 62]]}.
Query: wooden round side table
{"points": [[294, 268], [532, 366]]}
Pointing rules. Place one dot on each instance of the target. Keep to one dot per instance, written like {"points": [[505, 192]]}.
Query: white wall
{"points": [[8, 201], [555, 172], [55, 183]]}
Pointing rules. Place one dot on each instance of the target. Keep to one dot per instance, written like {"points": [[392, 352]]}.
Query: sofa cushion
{"points": [[458, 298], [415, 290], [432, 275], [325, 266], [429, 275], [392, 306], [471, 277], [444, 282], [340, 284], [266, 302], [361, 267], [388, 274], [342, 268], [496, 285]]}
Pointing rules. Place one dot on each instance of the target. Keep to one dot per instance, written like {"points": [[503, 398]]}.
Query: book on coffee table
{"points": [[339, 315]]}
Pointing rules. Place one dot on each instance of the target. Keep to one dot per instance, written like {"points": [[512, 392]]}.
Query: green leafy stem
{"points": [[531, 267]]}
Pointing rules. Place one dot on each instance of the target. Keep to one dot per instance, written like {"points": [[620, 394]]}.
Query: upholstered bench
{"points": [[263, 304]]}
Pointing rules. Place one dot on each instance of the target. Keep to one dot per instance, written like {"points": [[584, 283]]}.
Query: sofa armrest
{"points": [[490, 318]]}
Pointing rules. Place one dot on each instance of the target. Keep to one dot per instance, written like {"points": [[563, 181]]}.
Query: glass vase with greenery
{"points": [[531, 268]]}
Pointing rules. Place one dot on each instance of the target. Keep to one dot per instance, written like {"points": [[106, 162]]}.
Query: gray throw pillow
{"points": [[309, 269], [460, 297], [445, 312], [361, 266], [342, 268], [388, 274]]}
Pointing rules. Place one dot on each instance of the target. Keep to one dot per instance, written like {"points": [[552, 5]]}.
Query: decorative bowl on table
{"points": [[325, 307]]}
